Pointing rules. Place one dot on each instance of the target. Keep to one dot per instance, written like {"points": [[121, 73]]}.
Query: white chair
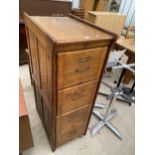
{"points": [[112, 61]]}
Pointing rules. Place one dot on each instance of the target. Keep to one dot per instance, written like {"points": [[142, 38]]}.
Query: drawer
{"points": [[79, 66], [68, 136], [74, 97], [75, 119]]}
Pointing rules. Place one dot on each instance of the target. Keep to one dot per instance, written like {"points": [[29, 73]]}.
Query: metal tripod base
{"points": [[106, 122]]}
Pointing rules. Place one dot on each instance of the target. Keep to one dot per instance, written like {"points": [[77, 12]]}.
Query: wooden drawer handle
{"points": [[71, 133], [78, 94], [74, 118], [81, 70], [84, 59]]}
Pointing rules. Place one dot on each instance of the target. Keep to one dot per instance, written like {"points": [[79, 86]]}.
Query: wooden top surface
{"points": [[66, 29], [22, 105], [96, 13], [127, 43]]}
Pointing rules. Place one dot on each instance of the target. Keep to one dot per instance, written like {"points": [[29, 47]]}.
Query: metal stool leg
{"points": [[105, 120], [100, 105]]}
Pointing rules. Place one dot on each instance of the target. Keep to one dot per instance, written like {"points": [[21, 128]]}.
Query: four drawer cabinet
{"points": [[67, 60]]}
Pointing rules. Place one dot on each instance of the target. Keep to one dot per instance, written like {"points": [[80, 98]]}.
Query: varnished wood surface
{"points": [[128, 44], [41, 63], [79, 66], [22, 105], [74, 119], [65, 29], [74, 97], [72, 124], [70, 135], [25, 135], [69, 67]]}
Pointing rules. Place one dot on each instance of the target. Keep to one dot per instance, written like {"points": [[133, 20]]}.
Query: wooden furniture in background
{"points": [[23, 58], [39, 8], [67, 56], [45, 7], [128, 44], [25, 135], [78, 12], [130, 32], [93, 5], [111, 21]]}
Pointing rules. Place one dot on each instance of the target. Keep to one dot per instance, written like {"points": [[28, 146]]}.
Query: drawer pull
{"points": [[71, 133], [84, 59], [78, 94], [81, 70]]}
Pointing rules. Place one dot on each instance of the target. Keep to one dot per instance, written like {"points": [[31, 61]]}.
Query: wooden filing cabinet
{"points": [[67, 59]]}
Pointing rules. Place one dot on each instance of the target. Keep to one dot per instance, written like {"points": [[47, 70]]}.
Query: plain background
{"points": [[145, 77]]}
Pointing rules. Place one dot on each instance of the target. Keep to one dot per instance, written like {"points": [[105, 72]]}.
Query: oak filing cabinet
{"points": [[67, 59]]}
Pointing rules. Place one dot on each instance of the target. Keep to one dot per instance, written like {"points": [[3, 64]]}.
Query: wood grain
{"points": [[70, 135], [67, 58], [74, 97], [72, 70], [113, 22], [74, 119], [25, 134], [66, 29]]}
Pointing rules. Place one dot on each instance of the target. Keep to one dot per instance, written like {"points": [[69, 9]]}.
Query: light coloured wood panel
{"points": [[79, 66], [74, 97], [113, 22], [87, 5]]}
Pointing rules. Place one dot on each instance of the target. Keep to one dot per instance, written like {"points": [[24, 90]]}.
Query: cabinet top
{"points": [[67, 29]]}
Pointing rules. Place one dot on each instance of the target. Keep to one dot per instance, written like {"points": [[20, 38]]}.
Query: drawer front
{"points": [[79, 66], [72, 134], [75, 119], [74, 97]]}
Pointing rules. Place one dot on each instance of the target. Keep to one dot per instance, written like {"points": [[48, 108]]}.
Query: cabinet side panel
{"points": [[41, 56], [34, 56]]}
